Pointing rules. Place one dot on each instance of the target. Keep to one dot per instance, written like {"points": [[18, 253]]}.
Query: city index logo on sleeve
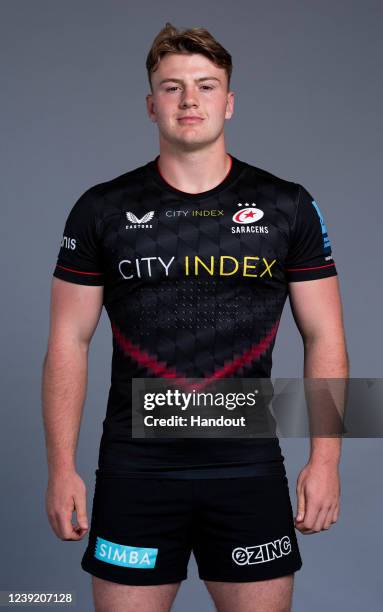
{"points": [[125, 556]]}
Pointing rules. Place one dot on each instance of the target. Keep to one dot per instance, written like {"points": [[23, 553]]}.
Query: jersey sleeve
{"points": [[79, 259], [310, 254]]}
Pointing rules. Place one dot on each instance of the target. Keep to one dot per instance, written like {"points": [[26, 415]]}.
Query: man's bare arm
{"points": [[317, 310], [74, 314]]}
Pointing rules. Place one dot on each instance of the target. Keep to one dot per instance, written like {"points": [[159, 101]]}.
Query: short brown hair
{"points": [[191, 40]]}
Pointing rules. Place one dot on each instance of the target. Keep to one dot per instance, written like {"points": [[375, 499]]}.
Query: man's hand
{"points": [[318, 497], [66, 493]]}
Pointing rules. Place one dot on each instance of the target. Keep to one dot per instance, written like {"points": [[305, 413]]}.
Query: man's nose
{"points": [[189, 97]]}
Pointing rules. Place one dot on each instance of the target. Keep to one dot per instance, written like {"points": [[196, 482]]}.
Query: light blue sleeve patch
{"points": [[125, 556], [326, 241]]}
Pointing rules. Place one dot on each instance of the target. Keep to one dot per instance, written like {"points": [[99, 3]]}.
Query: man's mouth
{"points": [[190, 119]]}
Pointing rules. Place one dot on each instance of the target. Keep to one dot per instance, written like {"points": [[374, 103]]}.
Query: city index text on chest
{"points": [[225, 265]]}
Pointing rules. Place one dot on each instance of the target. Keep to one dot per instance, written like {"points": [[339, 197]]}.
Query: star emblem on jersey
{"points": [[246, 217], [249, 213], [136, 223]]}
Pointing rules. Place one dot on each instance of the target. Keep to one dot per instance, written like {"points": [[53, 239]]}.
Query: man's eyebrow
{"points": [[206, 78]]}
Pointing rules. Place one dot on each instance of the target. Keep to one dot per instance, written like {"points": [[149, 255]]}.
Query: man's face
{"points": [[184, 86]]}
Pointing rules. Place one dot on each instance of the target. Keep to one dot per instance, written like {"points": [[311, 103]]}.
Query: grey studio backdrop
{"points": [[307, 108]]}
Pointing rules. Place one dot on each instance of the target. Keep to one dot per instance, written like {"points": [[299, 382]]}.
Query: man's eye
{"points": [[174, 87]]}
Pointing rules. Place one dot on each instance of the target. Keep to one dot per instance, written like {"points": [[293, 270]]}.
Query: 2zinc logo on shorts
{"points": [[262, 552]]}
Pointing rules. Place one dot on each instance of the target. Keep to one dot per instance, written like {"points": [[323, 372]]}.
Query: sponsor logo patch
{"points": [[125, 556], [262, 552], [68, 243], [136, 223], [326, 240]]}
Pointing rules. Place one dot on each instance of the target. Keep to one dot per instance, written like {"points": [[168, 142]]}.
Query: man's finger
{"points": [[320, 520], [64, 522], [301, 506], [80, 506], [312, 513], [328, 519]]}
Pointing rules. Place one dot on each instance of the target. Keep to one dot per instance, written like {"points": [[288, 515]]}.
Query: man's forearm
{"points": [[325, 359], [63, 394]]}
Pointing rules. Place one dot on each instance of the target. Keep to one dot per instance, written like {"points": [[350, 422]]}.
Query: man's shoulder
{"points": [[130, 178], [269, 178]]}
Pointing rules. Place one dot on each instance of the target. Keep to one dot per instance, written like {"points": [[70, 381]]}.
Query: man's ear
{"points": [[229, 105], [150, 107]]}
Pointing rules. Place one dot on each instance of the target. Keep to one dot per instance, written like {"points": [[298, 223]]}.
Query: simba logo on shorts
{"points": [[262, 552], [125, 556]]}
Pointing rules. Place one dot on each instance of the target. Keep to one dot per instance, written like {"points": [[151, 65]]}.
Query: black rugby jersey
{"points": [[194, 286]]}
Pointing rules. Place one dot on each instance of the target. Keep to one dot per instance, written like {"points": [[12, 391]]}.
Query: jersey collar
{"points": [[232, 175]]}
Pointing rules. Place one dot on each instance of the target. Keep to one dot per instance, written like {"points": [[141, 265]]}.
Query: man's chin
{"points": [[192, 144]]}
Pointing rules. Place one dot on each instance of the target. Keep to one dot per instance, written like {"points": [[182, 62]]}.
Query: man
{"points": [[152, 246]]}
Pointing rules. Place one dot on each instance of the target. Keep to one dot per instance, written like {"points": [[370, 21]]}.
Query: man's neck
{"points": [[194, 171]]}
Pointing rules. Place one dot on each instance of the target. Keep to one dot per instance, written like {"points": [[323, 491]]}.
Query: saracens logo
{"points": [[249, 214], [136, 223], [245, 217], [262, 552]]}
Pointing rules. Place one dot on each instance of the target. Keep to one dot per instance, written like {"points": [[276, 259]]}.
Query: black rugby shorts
{"points": [[143, 531]]}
